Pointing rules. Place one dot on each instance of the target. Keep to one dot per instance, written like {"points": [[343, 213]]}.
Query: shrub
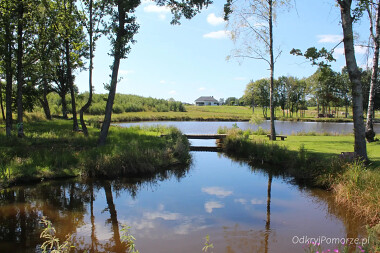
{"points": [[117, 109], [97, 109]]}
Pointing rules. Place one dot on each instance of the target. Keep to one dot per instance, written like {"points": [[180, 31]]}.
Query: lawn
{"points": [[326, 146]]}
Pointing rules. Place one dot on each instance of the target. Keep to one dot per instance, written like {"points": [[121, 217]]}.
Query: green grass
{"points": [[51, 149], [327, 146]]}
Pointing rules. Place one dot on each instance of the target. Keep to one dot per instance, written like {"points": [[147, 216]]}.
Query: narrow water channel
{"points": [[242, 209]]}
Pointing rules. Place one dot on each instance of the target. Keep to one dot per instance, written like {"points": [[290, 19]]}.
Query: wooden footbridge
{"points": [[217, 148]]}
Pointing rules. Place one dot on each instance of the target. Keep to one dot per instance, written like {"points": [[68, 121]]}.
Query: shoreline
{"points": [[354, 184], [51, 150]]}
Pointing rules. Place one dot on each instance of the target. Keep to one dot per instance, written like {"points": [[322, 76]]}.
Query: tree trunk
{"points": [[20, 80], [346, 109], [113, 215], [115, 72], [1, 100], [64, 104], [267, 223], [45, 102], [8, 77], [70, 82], [271, 89], [354, 74], [369, 132], [317, 107], [88, 104]]}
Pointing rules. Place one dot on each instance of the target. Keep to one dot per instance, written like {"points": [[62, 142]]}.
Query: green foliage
{"points": [[129, 239], [208, 245], [52, 243], [314, 55]]}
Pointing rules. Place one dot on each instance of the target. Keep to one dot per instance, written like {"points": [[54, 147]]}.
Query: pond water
{"points": [[282, 127], [241, 208]]}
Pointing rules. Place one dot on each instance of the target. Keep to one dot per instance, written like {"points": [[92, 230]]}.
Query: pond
{"points": [[282, 127], [241, 208]]}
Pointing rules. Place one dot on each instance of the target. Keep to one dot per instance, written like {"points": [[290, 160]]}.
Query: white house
{"points": [[206, 101]]}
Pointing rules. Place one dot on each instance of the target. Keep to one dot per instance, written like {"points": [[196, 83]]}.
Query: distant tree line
{"points": [[123, 103], [326, 89]]}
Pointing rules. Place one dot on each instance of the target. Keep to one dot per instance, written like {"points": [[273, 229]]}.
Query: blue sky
{"points": [[187, 61]]}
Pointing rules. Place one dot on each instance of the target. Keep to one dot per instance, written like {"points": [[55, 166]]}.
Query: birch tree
{"points": [[252, 25], [373, 11], [348, 17]]}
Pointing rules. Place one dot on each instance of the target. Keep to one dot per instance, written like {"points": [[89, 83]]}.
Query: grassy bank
{"points": [[202, 113], [314, 160], [211, 113], [51, 150]]}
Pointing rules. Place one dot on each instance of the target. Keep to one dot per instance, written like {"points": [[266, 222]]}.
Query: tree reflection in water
{"points": [[239, 240], [66, 204], [75, 208]]}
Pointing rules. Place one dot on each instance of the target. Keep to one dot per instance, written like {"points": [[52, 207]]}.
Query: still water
{"points": [[282, 127], [241, 208]]}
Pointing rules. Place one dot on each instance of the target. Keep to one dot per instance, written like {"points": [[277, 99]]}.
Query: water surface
{"points": [[242, 209], [283, 127]]}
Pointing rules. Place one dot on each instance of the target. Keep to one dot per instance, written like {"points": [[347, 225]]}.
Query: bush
{"points": [[97, 109], [117, 109], [134, 108]]}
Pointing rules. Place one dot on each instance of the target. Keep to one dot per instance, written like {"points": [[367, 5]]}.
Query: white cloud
{"points": [[162, 215], [210, 205], [217, 191], [212, 19], [240, 78], [152, 8], [358, 50], [172, 92], [162, 16], [217, 35], [339, 51], [202, 89], [329, 38], [241, 201], [162, 82], [126, 72], [257, 202]]}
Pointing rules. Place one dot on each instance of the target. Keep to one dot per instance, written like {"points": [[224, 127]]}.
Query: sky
{"points": [[187, 61]]}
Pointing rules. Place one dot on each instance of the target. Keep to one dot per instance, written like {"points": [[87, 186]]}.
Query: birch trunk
{"points": [[369, 132], [272, 127], [354, 74]]}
